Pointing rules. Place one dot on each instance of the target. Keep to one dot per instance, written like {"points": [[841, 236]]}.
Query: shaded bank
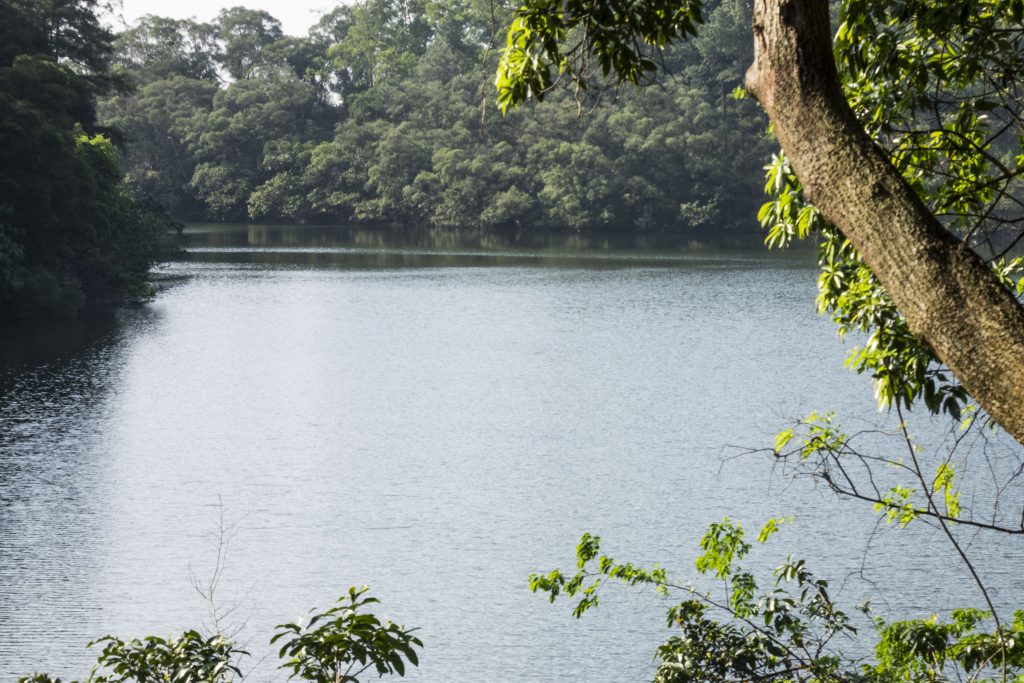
{"points": [[72, 233]]}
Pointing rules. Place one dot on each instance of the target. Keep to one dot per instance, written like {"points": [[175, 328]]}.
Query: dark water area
{"points": [[437, 420]]}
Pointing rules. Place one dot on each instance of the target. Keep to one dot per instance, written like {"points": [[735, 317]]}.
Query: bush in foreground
{"points": [[335, 646]]}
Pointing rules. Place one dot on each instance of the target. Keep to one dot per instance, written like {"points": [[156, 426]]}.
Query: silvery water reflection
{"points": [[435, 420]]}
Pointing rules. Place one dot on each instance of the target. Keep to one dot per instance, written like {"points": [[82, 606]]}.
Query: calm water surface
{"points": [[437, 419]]}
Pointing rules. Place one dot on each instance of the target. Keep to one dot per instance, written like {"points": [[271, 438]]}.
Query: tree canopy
{"points": [[382, 114], [70, 230]]}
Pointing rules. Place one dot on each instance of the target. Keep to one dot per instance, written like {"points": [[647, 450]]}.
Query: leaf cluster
{"points": [[937, 83], [335, 646], [546, 36], [339, 644], [904, 368]]}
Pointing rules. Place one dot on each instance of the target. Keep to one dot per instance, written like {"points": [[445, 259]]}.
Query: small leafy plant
{"points": [[336, 646], [339, 645]]}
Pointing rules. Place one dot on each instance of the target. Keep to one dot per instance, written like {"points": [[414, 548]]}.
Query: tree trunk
{"points": [[948, 295]]}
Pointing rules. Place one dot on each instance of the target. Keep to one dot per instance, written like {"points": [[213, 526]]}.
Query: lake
{"points": [[436, 417]]}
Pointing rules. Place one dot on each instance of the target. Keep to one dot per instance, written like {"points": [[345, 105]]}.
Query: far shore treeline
{"points": [[383, 114]]}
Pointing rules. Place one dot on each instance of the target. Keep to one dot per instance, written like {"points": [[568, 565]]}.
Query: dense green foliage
{"points": [[338, 645], [335, 646], [70, 230], [383, 113]]}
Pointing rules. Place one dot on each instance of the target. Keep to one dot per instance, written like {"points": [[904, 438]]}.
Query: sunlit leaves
{"points": [[944, 483], [788, 633], [722, 544], [188, 658], [771, 527], [926, 650], [585, 584], [820, 435], [783, 438], [786, 217], [339, 644], [777, 634], [549, 38], [1011, 273], [936, 83], [890, 471], [898, 507], [525, 70], [904, 368]]}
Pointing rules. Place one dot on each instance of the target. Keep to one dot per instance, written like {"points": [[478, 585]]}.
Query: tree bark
{"points": [[949, 296]]}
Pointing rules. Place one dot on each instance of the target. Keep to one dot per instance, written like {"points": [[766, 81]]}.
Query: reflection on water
{"points": [[55, 379], [29, 343], [360, 248], [433, 239], [401, 416]]}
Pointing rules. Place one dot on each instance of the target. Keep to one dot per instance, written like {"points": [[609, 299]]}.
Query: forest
{"points": [[384, 113], [72, 230]]}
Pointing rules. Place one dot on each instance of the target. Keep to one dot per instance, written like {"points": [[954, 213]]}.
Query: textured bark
{"points": [[948, 295]]}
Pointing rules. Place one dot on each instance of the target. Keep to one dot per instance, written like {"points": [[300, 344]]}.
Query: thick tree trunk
{"points": [[948, 295]]}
